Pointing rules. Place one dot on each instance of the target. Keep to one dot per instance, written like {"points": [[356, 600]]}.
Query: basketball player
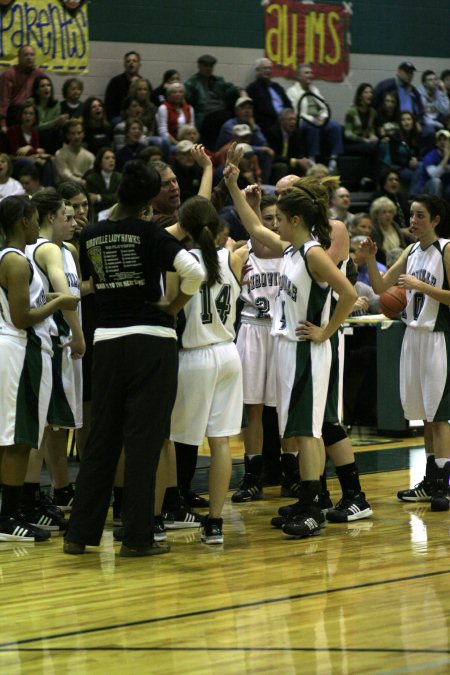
{"points": [[423, 269], [56, 263], [209, 396], [255, 347], [25, 361], [305, 282]]}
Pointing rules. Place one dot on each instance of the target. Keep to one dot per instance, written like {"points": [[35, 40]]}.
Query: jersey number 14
{"points": [[221, 301]]}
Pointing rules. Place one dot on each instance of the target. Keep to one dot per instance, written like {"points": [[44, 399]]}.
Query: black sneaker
{"points": [[63, 498], [159, 531], [47, 518], [181, 519], [440, 500], [308, 523], [325, 502], [419, 493], [16, 528], [194, 500], [139, 551], [279, 521], [212, 531], [351, 507], [250, 489]]}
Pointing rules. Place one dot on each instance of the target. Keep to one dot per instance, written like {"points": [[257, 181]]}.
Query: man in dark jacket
{"points": [[269, 98]]}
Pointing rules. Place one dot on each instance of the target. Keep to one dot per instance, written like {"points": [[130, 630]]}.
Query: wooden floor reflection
{"points": [[364, 597]]}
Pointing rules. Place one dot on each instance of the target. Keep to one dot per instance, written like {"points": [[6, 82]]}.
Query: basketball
{"points": [[392, 302]]}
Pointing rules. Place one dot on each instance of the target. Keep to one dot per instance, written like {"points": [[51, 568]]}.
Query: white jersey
{"points": [[421, 311], [59, 326], [210, 313], [300, 296], [40, 332], [260, 288]]}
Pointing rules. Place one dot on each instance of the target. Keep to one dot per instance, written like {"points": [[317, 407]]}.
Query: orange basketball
{"points": [[392, 302]]}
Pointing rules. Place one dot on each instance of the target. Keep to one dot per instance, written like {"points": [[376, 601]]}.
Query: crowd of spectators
{"points": [[403, 131]]}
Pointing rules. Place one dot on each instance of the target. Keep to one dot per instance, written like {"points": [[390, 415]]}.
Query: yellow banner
{"points": [[60, 37]]}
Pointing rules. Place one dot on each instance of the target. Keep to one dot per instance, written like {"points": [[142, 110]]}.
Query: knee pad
{"points": [[332, 433]]}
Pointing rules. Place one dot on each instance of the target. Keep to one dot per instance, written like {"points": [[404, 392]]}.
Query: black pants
{"points": [[134, 381]]}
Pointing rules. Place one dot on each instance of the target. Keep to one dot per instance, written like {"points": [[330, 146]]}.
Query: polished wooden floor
{"points": [[365, 597]]}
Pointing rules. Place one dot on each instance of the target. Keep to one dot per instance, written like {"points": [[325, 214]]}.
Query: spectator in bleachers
{"points": [[97, 130], [390, 187], [436, 105], [313, 115], [244, 114], [392, 256], [8, 186], [340, 204], [141, 90], [24, 145], [361, 224], [134, 130], [16, 85], [436, 167], [102, 181], [284, 138], [445, 82], [360, 260], [211, 97], [319, 171], [30, 179], [117, 88], [359, 128], [269, 98], [188, 132], [407, 94], [50, 119], [188, 173], [71, 105], [72, 161], [402, 152], [159, 94], [152, 153], [387, 120], [386, 233], [174, 112]]}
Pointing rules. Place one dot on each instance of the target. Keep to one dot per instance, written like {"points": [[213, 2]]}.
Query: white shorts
{"points": [[255, 346], [65, 409], [424, 375], [26, 383], [303, 373], [209, 395]]}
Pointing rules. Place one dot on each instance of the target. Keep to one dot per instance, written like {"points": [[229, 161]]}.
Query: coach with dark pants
{"points": [[135, 364]]}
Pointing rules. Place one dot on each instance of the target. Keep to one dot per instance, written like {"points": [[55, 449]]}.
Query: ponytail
{"points": [[200, 220]]}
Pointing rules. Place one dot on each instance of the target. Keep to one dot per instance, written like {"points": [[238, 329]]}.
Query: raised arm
{"points": [[204, 161], [248, 217], [381, 282]]}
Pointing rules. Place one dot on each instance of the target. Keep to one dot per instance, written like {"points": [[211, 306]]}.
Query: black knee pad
{"points": [[332, 433]]}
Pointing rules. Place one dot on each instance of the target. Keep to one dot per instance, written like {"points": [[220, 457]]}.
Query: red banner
{"points": [[314, 34]]}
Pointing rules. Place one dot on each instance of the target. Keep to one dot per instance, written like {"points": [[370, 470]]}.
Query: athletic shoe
{"points": [[440, 500], [194, 500], [16, 528], [118, 534], [139, 551], [250, 489], [305, 524], [351, 507], [419, 493], [63, 498], [181, 519], [48, 518], [159, 531], [279, 521], [325, 502], [212, 531]]}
